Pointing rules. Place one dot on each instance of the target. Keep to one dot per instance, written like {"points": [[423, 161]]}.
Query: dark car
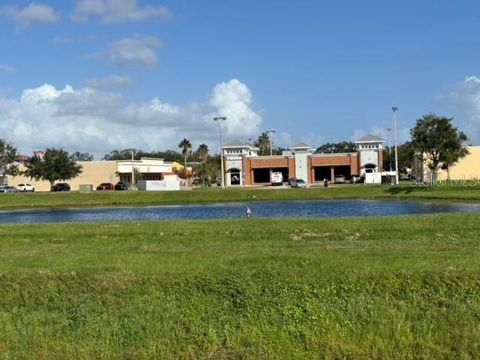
{"points": [[61, 187], [105, 186], [121, 186]]}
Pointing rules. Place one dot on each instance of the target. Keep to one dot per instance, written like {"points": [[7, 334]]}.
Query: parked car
{"points": [[25, 187], [105, 186], [340, 179], [197, 181], [121, 186], [298, 183], [8, 189], [61, 187]]}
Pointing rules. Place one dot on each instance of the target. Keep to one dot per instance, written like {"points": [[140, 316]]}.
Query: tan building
{"points": [[96, 172], [467, 168]]}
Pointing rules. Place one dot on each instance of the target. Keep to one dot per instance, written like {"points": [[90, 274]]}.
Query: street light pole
{"points": [[390, 148], [271, 131], [219, 120], [394, 109], [133, 170]]}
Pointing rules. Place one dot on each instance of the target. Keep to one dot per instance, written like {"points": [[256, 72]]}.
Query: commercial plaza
{"points": [[243, 166]]}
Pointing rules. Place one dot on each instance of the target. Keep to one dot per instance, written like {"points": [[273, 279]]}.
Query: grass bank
{"points": [[402, 287], [71, 199]]}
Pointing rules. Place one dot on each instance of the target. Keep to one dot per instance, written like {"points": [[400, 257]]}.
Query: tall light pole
{"points": [[394, 109], [390, 148], [269, 132], [132, 152], [219, 120]]}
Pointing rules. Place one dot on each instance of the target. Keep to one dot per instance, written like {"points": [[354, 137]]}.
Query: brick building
{"points": [[243, 165]]}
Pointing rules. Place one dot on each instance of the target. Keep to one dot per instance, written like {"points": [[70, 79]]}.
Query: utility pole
{"points": [[270, 132], [219, 120], [394, 109]]}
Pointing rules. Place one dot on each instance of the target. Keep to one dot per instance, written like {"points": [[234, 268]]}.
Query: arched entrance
{"points": [[369, 168], [235, 176]]}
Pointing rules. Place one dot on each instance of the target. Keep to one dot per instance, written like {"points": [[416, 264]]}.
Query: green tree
{"points": [[138, 175], [441, 143], [341, 147], [125, 154], [211, 168], [80, 156], [263, 143], [55, 164], [278, 150], [186, 147], [167, 155], [405, 154], [8, 155], [202, 155]]}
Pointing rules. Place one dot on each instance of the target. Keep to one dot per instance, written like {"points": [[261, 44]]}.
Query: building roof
{"points": [[370, 138], [301, 146], [237, 143]]}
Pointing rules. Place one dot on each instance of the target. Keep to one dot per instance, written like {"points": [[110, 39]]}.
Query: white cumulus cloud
{"points": [[465, 96], [96, 121], [30, 14], [110, 82], [117, 11], [233, 99], [134, 52]]}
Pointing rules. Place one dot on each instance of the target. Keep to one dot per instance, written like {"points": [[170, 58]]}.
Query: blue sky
{"points": [[100, 75]]}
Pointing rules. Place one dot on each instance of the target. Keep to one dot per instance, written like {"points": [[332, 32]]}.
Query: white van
{"points": [[276, 179]]}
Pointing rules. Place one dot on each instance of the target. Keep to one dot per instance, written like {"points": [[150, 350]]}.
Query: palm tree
{"points": [[185, 145], [263, 143], [202, 154]]}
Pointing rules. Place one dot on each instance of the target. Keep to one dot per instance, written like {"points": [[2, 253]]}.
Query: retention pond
{"points": [[317, 208]]}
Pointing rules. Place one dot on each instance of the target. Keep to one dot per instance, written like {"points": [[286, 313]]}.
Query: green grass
{"points": [[406, 191], [399, 287]]}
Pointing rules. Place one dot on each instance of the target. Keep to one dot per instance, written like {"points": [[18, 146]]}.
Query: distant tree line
{"points": [[341, 147], [126, 154]]}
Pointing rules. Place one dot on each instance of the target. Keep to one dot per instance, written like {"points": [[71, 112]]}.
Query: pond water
{"points": [[316, 208]]}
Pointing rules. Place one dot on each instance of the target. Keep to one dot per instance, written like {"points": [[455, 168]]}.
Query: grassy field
{"points": [[469, 191], [399, 287]]}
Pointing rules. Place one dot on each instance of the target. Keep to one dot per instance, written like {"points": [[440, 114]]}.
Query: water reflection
{"points": [[318, 208]]}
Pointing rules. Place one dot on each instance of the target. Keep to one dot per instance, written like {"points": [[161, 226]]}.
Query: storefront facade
{"points": [[243, 165]]}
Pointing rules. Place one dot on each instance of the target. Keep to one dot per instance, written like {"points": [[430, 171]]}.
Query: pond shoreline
{"points": [[231, 210], [214, 195]]}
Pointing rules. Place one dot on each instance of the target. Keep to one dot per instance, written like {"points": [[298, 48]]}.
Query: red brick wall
{"points": [[318, 160], [355, 165], [266, 162]]}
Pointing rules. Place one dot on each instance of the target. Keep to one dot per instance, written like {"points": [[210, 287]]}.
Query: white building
{"points": [[233, 154], [370, 149]]}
